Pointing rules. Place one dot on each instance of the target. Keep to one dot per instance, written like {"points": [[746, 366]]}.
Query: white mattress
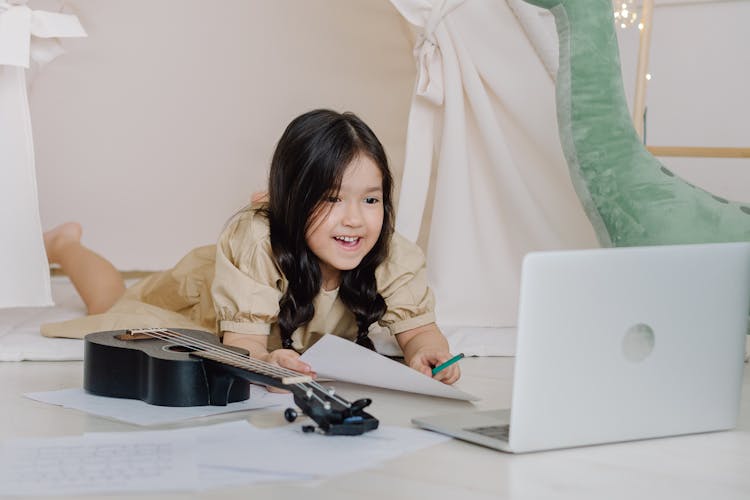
{"points": [[20, 339]]}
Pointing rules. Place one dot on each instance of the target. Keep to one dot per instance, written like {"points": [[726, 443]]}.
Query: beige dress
{"points": [[236, 285]]}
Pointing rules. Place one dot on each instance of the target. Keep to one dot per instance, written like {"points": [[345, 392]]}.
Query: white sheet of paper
{"points": [[137, 412], [152, 461], [312, 455], [121, 462], [214, 441], [341, 359], [194, 458]]}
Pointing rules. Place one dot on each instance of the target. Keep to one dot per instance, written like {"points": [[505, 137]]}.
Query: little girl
{"points": [[317, 255]]}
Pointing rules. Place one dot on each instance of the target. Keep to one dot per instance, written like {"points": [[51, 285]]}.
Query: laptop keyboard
{"points": [[492, 431]]}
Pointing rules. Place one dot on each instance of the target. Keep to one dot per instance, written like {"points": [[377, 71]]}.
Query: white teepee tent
{"points": [[161, 123], [25, 35], [483, 102]]}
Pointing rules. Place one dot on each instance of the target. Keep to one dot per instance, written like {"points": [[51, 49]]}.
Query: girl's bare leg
{"points": [[95, 278]]}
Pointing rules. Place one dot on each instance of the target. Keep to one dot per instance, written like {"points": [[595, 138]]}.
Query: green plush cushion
{"points": [[629, 196]]}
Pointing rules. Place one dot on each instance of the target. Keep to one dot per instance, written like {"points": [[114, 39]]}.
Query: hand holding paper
{"points": [[340, 359]]}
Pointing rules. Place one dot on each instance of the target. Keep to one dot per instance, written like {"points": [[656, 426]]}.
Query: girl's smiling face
{"points": [[346, 226]]}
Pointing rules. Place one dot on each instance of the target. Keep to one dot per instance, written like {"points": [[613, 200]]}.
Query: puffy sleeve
{"points": [[247, 284], [402, 281]]}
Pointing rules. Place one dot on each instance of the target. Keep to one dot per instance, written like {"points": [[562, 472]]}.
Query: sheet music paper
{"points": [[126, 462], [218, 440], [137, 412], [288, 450], [194, 458], [341, 359]]}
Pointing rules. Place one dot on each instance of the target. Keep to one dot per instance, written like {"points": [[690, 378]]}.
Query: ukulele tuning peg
{"points": [[360, 404], [290, 414]]}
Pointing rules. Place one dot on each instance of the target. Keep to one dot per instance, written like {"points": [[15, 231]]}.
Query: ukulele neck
{"points": [[218, 354], [255, 366]]}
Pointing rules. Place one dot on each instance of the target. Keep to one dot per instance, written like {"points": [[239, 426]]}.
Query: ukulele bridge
{"points": [[136, 334]]}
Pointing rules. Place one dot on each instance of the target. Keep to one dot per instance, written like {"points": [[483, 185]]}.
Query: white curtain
{"points": [[24, 272], [484, 112]]}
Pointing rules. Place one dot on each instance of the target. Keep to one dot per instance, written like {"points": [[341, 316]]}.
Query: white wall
{"points": [[159, 125], [698, 95]]}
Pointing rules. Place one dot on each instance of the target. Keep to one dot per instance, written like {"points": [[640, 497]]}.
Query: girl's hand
{"points": [[289, 359], [424, 360], [424, 348]]}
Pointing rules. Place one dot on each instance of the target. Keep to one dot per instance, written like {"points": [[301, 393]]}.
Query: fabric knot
{"points": [[17, 25], [427, 49], [429, 69]]}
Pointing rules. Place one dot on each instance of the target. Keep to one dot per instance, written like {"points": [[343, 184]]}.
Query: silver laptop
{"points": [[621, 344]]}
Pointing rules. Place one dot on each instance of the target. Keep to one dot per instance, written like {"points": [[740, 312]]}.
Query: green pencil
{"points": [[445, 365]]}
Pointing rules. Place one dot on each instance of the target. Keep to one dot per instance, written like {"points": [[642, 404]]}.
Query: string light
{"points": [[626, 14]]}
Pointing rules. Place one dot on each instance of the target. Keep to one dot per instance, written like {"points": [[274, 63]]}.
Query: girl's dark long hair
{"points": [[307, 168]]}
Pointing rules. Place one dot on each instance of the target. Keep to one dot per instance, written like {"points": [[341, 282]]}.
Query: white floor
{"points": [[713, 465]]}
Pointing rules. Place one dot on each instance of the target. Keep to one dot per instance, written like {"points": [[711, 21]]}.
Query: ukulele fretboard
{"points": [[251, 365], [219, 354]]}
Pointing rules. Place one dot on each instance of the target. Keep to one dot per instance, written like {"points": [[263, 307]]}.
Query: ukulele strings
{"points": [[248, 362], [224, 354], [230, 356]]}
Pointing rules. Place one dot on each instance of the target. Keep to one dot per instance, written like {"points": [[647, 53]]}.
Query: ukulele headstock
{"points": [[333, 414]]}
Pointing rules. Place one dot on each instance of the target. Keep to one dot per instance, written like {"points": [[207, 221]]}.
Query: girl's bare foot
{"points": [[57, 238], [98, 282], [259, 197]]}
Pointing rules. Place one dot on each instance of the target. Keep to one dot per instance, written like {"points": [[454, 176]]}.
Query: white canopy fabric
{"points": [[484, 112], [24, 271], [482, 121]]}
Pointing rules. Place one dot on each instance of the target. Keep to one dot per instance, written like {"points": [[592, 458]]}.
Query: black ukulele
{"points": [[178, 367]]}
